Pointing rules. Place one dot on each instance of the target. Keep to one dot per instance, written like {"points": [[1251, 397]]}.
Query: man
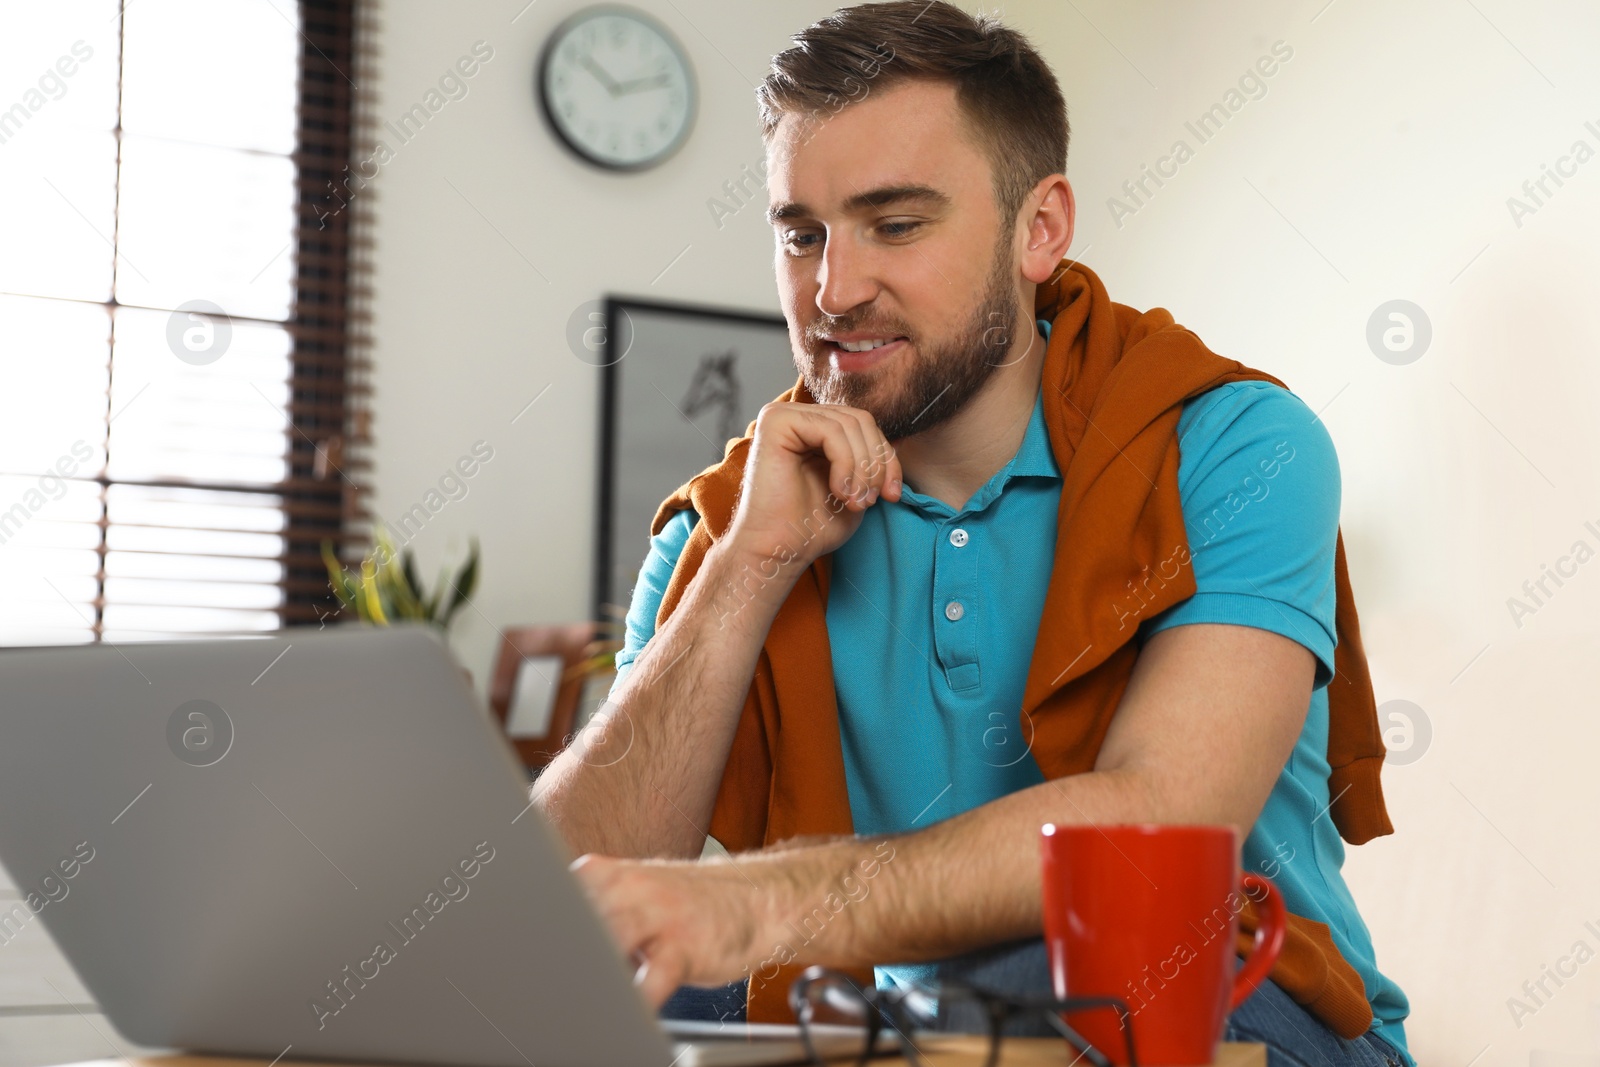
{"points": [[962, 581]]}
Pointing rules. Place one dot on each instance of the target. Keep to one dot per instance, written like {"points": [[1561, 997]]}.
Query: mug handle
{"points": [[1271, 924]]}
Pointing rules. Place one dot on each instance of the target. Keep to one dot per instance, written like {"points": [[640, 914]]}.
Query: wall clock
{"points": [[617, 88]]}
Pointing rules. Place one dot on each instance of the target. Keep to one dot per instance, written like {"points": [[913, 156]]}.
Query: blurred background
{"points": [[1399, 221]]}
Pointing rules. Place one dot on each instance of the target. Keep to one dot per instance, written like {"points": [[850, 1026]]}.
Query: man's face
{"points": [[887, 229]]}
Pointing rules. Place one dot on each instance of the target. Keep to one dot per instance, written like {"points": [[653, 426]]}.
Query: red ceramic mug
{"points": [[1149, 914]]}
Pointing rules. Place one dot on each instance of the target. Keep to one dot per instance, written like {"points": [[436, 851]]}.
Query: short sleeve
{"points": [[654, 574], [1259, 481]]}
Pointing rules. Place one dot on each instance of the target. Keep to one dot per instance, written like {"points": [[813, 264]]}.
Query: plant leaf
{"points": [[468, 580], [462, 587], [391, 577], [408, 570], [371, 599], [338, 578]]}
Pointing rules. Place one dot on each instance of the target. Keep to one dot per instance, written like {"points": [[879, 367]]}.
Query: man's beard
{"points": [[942, 377]]}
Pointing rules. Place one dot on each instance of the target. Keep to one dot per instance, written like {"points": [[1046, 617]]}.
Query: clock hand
{"points": [[600, 73], [637, 84]]}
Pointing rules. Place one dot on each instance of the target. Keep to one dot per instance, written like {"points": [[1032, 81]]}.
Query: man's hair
{"points": [[1009, 98]]}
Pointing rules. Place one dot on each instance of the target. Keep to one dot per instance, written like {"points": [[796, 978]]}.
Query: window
{"points": [[180, 412]]}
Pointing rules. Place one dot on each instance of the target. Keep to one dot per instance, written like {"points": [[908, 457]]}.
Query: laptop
{"points": [[314, 845]]}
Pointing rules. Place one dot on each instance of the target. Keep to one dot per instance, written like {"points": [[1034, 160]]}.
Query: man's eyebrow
{"points": [[875, 199]]}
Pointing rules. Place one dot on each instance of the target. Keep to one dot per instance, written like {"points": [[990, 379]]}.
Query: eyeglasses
{"points": [[821, 991]]}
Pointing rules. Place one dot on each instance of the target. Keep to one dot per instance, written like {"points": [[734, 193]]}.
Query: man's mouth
{"points": [[860, 353]]}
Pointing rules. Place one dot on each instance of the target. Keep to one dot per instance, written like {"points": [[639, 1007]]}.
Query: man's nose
{"points": [[845, 279]]}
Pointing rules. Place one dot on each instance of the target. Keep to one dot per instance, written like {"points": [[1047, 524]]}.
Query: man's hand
{"points": [[680, 922], [812, 471]]}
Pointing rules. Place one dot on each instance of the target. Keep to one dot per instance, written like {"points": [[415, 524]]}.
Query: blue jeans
{"points": [[1293, 1036], [706, 1004]]}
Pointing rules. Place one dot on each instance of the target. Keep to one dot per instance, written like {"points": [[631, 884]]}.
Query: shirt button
{"points": [[958, 537], [953, 611]]}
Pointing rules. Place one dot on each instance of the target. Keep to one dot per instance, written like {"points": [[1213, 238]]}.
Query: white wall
{"points": [[1376, 166]]}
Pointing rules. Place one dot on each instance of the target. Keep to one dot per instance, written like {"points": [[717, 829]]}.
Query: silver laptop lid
{"points": [[313, 843]]}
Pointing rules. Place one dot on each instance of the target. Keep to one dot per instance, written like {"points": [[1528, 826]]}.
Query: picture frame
{"points": [[537, 690], [677, 382]]}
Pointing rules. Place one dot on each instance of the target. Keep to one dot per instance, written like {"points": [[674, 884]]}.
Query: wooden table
{"points": [[966, 1051], [941, 1051]]}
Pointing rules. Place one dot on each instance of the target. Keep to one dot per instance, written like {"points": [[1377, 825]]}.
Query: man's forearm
{"points": [[970, 881], [1197, 739], [641, 778]]}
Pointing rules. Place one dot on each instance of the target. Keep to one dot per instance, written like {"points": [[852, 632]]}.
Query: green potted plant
{"points": [[386, 588]]}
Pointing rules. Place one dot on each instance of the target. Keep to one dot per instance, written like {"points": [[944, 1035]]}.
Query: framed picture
{"points": [[540, 685], [678, 381]]}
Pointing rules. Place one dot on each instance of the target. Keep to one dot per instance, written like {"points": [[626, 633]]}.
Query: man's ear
{"points": [[1051, 214]]}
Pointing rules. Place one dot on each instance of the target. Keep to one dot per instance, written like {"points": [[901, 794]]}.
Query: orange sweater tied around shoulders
{"points": [[1114, 383]]}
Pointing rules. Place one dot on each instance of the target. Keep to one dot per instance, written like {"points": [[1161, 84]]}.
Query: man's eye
{"points": [[801, 242]]}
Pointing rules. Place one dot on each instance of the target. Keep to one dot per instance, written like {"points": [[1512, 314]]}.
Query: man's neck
{"points": [[953, 460]]}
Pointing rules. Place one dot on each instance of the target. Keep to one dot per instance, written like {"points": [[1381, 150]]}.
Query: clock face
{"points": [[618, 88]]}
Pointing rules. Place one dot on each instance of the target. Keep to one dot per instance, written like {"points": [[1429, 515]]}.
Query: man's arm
{"points": [[1208, 720], [641, 779]]}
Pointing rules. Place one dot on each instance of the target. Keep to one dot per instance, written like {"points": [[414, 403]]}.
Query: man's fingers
{"points": [[663, 971], [860, 480], [816, 429], [894, 477], [882, 464], [608, 885], [591, 870], [658, 915], [632, 925], [889, 457], [862, 464]]}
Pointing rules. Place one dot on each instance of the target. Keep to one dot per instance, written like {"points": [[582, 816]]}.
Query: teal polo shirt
{"points": [[932, 614]]}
